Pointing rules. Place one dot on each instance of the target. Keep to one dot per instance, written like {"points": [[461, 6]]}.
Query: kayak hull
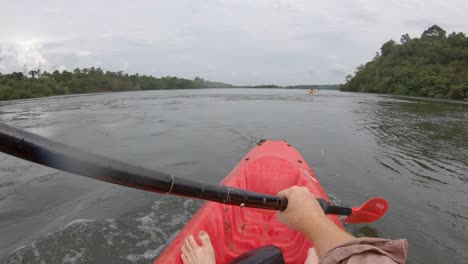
{"points": [[269, 167]]}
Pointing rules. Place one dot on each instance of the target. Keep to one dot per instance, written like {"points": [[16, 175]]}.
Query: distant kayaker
{"points": [[331, 244], [313, 91]]}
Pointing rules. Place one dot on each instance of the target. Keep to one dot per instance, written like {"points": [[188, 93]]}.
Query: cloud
{"points": [[125, 66], [83, 53], [16, 55], [264, 41], [338, 69]]}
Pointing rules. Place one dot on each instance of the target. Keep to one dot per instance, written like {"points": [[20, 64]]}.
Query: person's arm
{"points": [[305, 215], [332, 244]]}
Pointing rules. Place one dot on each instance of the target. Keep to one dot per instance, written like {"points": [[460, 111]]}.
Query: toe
{"points": [[192, 242], [185, 250], [205, 239], [187, 243], [185, 260], [312, 257]]}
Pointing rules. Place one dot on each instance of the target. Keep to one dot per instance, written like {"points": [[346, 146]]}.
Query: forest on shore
{"points": [[434, 65], [17, 85]]}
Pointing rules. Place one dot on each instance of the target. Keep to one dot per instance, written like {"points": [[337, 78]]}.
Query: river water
{"points": [[413, 152]]}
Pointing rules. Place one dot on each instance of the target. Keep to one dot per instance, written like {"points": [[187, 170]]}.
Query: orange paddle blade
{"points": [[370, 211]]}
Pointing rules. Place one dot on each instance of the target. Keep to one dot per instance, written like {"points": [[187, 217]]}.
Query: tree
{"points": [[45, 74], [348, 77], [405, 38], [66, 76], [433, 65], [387, 47], [433, 32], [456, 92], [377, 56], [33, 73], [16, 76], [457, 39]]}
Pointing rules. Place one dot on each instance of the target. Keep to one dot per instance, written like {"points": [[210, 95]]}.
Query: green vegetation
{"points": [[434, 65], [265, 86], [93, 80]]}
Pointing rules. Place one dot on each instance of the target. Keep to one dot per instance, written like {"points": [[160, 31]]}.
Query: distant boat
{"points": [[312, 91]]}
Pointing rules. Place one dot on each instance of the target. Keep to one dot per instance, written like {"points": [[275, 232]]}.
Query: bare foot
{"points": [[192, 253], [312, 257]]}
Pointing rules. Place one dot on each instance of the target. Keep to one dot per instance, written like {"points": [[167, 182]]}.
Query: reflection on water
{"points": [[367, 231], [425, 143], [412, 152], [425, 140]]}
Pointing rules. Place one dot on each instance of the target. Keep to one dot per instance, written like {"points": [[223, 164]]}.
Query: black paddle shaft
{"points": [[334, 209], [34, 148]]}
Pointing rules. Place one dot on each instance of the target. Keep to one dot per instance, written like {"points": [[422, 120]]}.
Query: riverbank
{"points": [[434, 65]]}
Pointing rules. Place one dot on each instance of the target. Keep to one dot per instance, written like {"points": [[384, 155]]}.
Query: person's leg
{"points": [[192, 253], [312, 257]]}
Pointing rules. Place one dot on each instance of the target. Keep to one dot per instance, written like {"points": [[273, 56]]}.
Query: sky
{"points": [[241, 42]]}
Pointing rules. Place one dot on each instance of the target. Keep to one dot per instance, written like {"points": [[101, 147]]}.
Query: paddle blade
{"points": [[370, 211]]}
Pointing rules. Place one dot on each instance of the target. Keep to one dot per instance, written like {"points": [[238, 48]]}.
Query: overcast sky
{"points": [[234, 41]]}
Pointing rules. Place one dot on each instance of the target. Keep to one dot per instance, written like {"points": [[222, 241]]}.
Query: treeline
{"points": [[434, 65], [89, 80]]}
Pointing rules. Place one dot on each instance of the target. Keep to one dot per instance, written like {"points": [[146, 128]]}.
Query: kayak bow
{"points": [[268, 168]]}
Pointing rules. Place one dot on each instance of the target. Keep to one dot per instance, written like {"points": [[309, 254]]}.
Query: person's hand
{"points": [[303, 209], [305, 215]]}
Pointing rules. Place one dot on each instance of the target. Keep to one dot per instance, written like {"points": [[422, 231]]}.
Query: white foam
{"points": [[133, 258], [178, 219], [35, 251], [156, 205], [149, 254], [112, 223], [109, 241], [77, 222], [149, 225], [74, 257], [143, 243], [145, 220], [110, 237]]}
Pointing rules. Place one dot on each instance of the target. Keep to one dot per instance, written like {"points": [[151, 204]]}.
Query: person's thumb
{"points": [[285, 193]]}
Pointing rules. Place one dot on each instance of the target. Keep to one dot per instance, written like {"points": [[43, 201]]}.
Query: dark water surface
{"points": [[412, 152]]}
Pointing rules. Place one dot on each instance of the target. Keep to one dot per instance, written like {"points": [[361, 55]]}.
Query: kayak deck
{"points": [[268, 168]]}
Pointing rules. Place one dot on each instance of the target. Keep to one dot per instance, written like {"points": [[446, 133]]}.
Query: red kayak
{"points": [[269, 167]]}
